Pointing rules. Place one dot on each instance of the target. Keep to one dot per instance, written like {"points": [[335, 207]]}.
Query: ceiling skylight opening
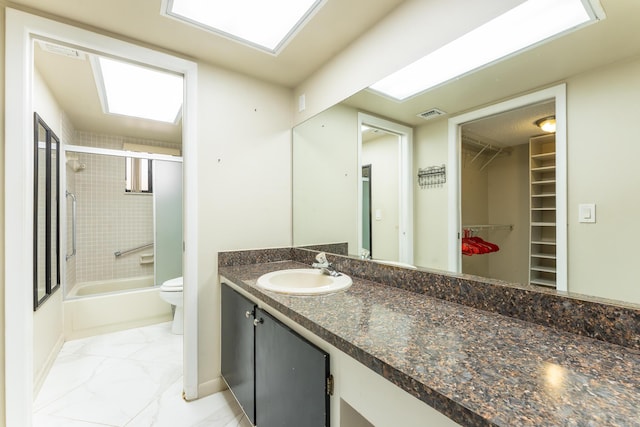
{"points": [[132, 90], [266, 25], [522, 27]]}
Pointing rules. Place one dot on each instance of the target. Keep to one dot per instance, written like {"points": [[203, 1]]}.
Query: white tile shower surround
{"points": [[109, 220], [130, 378]]}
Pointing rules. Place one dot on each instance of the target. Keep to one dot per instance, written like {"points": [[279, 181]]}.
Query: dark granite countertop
{"points": [[476, 367]]}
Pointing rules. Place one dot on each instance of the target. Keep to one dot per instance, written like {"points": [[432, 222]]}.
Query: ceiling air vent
{"points": [[431, 114]]}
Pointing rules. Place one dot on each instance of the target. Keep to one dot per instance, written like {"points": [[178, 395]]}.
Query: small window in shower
{"points": [[138, 175]]}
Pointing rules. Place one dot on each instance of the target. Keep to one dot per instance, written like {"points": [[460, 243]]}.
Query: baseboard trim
{"points": [[44, 371], [210, 387]]}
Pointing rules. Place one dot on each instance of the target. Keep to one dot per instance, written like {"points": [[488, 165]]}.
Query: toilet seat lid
{"points": [[172, 285]]}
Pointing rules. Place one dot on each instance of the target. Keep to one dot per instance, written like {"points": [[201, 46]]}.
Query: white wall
{"points": [[45, 104], [383, 154], [498, 194], [430, 204], [325, 168], [244, 151], [603, 155], [508, 203], [47, 320], [474, 200]]}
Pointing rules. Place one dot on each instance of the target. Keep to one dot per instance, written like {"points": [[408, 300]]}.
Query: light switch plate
{"points": [[587, 212]]}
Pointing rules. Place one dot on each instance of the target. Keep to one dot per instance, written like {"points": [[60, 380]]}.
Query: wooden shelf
{"points": [[544, 256], [489, 226], [542, 227], [543, 242], [543, 282], [544, 169], [544, 156], [543, 269]]}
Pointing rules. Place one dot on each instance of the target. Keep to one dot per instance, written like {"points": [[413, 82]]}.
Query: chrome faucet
{"points": [[324, 265]]}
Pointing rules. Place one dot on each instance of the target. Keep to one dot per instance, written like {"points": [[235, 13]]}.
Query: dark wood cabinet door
{"points": [[291, 377], [238, 361]]}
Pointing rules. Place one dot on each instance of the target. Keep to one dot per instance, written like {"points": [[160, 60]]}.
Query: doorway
{"points": [[496, 200], [21, 31], [517, 231], [392, 218]]}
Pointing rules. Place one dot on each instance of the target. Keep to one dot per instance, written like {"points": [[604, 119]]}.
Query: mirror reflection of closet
{"points": [[496, 193], [46, 263]]}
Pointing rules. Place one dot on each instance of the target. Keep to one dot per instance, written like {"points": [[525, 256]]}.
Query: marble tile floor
{"points": [[131, 378]]}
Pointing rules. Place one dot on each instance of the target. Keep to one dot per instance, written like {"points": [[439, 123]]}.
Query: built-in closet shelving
{"points": [[542, 254]]}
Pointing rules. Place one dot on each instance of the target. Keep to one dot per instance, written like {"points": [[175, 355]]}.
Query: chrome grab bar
{"points": [[120, 253], [73, 224]]}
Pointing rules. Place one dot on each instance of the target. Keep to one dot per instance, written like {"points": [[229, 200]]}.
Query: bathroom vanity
{"points": [[278, 377], [419, 348]]}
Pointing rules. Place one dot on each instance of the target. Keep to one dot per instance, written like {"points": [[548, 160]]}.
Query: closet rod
{"points": [[484, 146], [488, 227], [468, 139]]}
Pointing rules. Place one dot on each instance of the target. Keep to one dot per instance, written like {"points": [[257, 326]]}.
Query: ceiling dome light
{"points": [[547, 124]]}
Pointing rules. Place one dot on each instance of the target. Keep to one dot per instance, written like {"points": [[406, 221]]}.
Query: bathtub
{"points": [[95, 308], [108, 286]]}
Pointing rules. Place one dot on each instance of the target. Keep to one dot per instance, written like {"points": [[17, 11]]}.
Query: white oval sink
{"points": [[303, 281]]}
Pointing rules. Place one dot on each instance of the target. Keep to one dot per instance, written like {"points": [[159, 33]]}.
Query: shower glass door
{"points": [[123, 238], [167, 210]]}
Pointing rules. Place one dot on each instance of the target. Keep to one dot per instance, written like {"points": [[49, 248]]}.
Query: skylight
{"points": [[131, 90], [266, 25], [523, 26]]}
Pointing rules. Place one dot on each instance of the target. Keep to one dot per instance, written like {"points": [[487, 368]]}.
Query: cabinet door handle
{"points": [[256, 322], [248, 314]]}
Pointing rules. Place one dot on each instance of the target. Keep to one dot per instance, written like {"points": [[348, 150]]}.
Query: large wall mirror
{"points": [[487, 180], [46, 224]]}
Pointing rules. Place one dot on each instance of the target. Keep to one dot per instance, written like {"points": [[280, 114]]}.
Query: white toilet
{"points": [[171, 292]]}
